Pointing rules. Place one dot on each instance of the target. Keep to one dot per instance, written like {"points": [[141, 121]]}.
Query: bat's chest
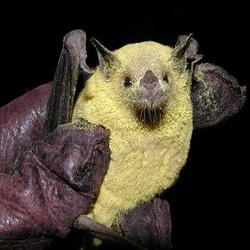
{"points": [[136, 155], [141, 166]]}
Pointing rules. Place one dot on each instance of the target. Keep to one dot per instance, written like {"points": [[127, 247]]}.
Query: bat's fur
{"points": [[145, 160]]}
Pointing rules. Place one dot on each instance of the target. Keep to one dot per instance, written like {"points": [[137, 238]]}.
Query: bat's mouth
{"points": [[148, 111], [150, 106], [150, 116]]}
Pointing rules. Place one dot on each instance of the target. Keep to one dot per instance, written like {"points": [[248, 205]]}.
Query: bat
{"points": [[151, 97], [147, 98]]}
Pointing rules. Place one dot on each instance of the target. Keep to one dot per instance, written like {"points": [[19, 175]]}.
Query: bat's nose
{"points": [[149, 80]]}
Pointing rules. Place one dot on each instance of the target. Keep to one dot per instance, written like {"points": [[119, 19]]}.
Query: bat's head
{"points": [[150, 84], [144, 78]]}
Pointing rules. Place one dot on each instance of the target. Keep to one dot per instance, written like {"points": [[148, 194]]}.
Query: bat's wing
{"points": [[57, 177], [216, 95], [72, 62], [29, 117], [149, 224]]}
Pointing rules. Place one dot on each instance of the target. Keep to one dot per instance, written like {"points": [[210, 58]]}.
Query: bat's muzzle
{"points": [[150, 91]]}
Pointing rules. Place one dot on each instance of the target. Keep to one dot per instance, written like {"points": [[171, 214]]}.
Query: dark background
{"points": [[208, 202]]}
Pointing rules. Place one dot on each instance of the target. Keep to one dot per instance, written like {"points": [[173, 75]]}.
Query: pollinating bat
{"points": [[101, 163]]}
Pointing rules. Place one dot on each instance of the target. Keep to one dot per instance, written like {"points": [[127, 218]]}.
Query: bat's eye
{"points": [[166, 78], [127, 81]]}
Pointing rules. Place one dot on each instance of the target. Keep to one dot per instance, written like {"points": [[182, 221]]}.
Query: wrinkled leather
{"points": [[21, 122], [45, 182], [55, 181]]}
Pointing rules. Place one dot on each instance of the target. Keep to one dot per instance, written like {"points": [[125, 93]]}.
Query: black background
{"points": [[208, 202]]}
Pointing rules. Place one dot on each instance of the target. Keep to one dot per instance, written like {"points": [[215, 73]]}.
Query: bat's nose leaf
{"points": [[149, 80]]}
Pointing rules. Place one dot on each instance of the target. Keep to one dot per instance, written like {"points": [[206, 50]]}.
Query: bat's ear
{"points": [[187, 46], [182, 45], [185, 52], [216, 95], [108, 62]]}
